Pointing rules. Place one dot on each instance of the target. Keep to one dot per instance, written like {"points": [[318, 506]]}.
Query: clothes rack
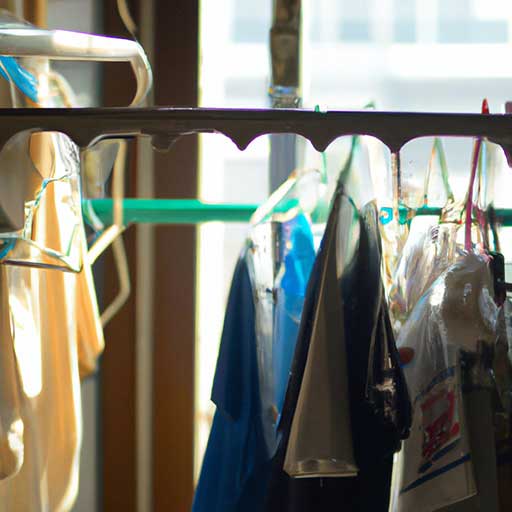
{"points": [[166, 124]]}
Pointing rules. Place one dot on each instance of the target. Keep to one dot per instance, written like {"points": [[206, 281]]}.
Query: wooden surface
{"points": [[176, 65], [175, 72], [36, 12], [118, 448]]}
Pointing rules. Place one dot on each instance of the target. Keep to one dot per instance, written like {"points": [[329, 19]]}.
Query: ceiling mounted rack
{"points": [[166, 124]]}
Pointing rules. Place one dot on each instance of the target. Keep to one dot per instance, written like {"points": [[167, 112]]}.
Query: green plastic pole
{"points": [[171, 211], [193, 211]]}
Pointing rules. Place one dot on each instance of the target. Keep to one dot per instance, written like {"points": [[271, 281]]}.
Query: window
{"points": [[435, 55]]}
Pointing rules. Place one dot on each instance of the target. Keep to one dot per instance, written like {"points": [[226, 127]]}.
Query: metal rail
{"points": [[166, 124]]}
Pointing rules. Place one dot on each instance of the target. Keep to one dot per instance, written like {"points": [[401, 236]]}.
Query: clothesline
{"points": [[194, 211]]}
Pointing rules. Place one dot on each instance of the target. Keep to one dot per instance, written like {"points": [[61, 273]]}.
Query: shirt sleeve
{"points": [[236, 370]]}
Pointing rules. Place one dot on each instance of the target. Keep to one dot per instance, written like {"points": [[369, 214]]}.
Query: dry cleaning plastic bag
{"points": [[456, 316]]}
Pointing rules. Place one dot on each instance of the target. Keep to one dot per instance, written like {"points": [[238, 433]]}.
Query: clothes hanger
{"points": [[92, 161], [302, 192], [11, 71], [470, 205], [38, 173], [113, 234], [20, 39], [439, 154], [485, 219], [23, 40], [126, 17]]}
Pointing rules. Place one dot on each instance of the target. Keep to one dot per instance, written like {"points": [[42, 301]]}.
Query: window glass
{"points": [[416, 55]]}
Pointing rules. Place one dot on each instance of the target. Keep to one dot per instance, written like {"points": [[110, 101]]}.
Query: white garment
{"points": [[436, 462]]}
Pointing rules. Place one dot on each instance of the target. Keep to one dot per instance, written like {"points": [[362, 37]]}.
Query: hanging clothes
{"points": [[503, 418], [279, 262], [227, 464], [11, 423], [290, 287], [46, 351], [346, 407], [55, 329], [458, 375], [260, 330], [316, 446], [450, 455]]}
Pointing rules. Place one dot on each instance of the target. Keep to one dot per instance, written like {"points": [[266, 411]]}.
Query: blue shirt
{"points": [[236, 446], [237, 464], [290, 292]]}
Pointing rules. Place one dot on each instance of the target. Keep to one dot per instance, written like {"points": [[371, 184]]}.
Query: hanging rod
{"points": [[165, 124], [193, 211], [170, 211]]}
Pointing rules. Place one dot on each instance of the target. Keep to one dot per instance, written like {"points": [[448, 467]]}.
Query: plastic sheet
{"points": [[428, 252], [32, 167], [454, 322], [280, 259]]}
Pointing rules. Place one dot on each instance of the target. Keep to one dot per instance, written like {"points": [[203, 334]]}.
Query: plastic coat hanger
{"points": [[23, 79], [20, 39], [438, 151], [38, 170], [113, 234], [470, 205]]}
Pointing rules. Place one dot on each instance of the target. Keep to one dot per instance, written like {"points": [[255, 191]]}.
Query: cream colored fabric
{"points": [[89, 330], [57, 338], [46, 351], [50, 336], [11, 424], [26, 491], [48, 364]]}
